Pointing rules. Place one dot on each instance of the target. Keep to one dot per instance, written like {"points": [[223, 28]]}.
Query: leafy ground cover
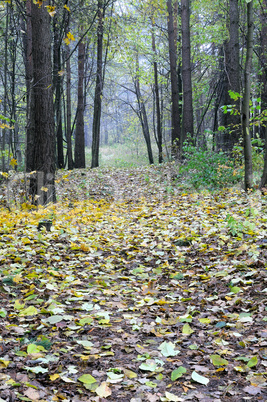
{"points": [[141, 291]]}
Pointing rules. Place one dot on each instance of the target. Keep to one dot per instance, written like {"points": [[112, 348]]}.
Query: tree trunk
{"points": [[98, 88], [175, 113], [263, 61], [79, 153], [42, 186], [246, 100], [157, 99], [57, 82], [68, 103], [188, 118], [5, 73], [142, 113], [232, 78], [30, 128]]}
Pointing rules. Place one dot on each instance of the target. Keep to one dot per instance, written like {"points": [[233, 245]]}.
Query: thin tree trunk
{"points": [[246, 100], [57, 82], [79, 153], [188, 117], [68, 104], [263, 61], [3, 145], [142, 113], [232, 78], [157, 99], [30, 128], [98, 88], [175, 113]]}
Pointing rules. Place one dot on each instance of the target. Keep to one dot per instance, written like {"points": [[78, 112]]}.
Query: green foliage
{"points": [[209, 169], [237, 227]]}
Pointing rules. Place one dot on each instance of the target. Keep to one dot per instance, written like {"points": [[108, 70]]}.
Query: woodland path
{"points": [[142, 291]]}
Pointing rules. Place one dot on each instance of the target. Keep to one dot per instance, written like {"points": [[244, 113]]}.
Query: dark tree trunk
{"points": [[232, 78], [30, 128], [79, 153], [263, 61], [142, 113], [188, 118], [68, 104], [246, 100], [157, 100], [98, 88], [175, 112], [57, 82], [42, 187]]}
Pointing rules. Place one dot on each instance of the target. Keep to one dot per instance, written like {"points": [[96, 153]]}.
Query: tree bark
{"points": [[188, 117], [30, 128], [79, 153], [175, 113], [57, 83], [263, 61], [68, 103], [157, 99], [142, 113], [98, 88], [246, 99], [42, 187], [232, 79]]}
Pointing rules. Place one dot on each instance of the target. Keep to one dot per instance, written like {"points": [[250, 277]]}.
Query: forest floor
{"points": [[141, 291]]}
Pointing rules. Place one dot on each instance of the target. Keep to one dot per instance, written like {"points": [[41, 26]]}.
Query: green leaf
{"points": [[235, 289], [167, 349], [3, 313], [253, 362], [115, 377], [187, 330], [85, 344], [150, 365], [178, 373], [87, 379], [204, 320], [172, 398], [199, 378], [217, 360], [54, 319], [32, 349], [37, 369], [86, 320], [31, 310]]}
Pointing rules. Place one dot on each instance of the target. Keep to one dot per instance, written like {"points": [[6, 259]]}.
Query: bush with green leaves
{"points": [[207, 169]]}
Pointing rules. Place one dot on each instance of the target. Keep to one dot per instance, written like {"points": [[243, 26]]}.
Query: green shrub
{"points": [[207, 169]]}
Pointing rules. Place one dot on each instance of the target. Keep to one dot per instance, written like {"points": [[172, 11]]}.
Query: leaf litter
{"points": [[143, 290]]}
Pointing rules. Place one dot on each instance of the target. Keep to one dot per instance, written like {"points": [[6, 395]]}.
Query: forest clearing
{"points": [[141, 291]]}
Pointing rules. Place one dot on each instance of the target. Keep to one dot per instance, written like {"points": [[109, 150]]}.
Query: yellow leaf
{"points": [[69, 38], [54, 377], [18, 278], [51, 10], [18, 305], [45, 189], [67, 8], [13, 162], [61, 72], [4, 363]]}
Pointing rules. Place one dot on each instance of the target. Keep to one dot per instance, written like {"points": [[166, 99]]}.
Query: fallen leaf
{"points": [[199, 378], [103, 390]]}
